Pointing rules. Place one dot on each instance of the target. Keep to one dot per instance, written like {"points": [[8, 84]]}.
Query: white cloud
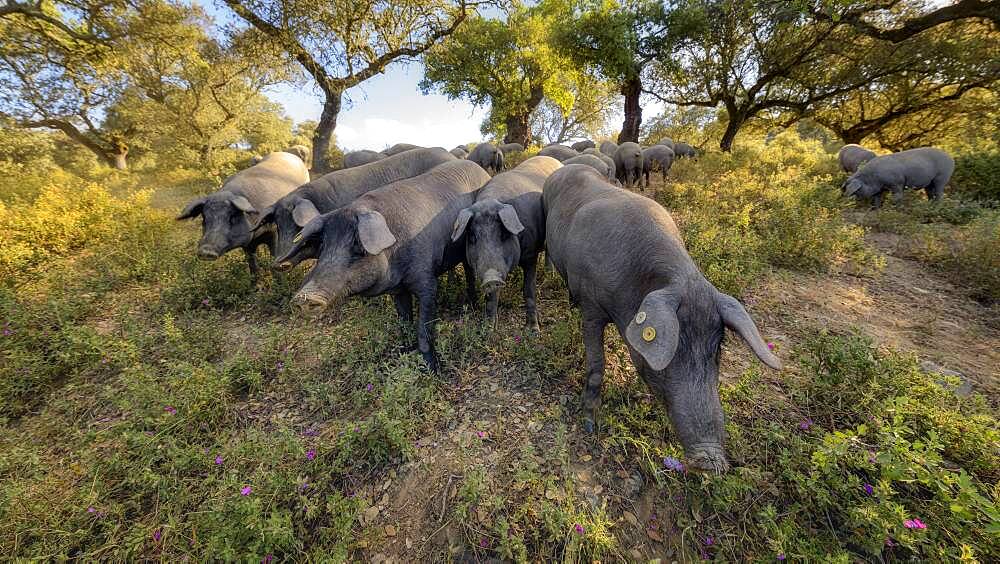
{"points": [[378, 133]]}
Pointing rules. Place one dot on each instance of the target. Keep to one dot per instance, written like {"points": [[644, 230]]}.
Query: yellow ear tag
{"points": [[648, 334], [640, 318], [297, 237]]}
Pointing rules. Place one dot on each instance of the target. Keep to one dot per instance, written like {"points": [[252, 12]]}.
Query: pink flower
{"points": [[157, 535], [914, 524], [247, 490], [770, 346], [484, 542], [91, 510], [781, 556], [481, 434], [267, 559], [517, 338], [218, 459], [310, 454], [709, 541], [369, 388], [170, 409], [206, 301], [579, 528], [806, 424]]}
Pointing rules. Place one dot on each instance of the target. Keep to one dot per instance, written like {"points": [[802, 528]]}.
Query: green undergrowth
{"points": [[154, 406]]}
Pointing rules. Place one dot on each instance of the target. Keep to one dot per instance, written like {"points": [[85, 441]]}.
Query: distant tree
{"points": [[593, 105], [618, 40], [507, 64], [341, 44]]}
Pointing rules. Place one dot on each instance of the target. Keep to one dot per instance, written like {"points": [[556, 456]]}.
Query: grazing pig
{"points": [[508, 148], [460, 152], [624, 263], [667, 142], [487, 156], [591, 161], [612, 171], [338, 188], [581, 146], [399, 148], [609, 148], [628, 164], [926, 168], [362, 157], [684, 151], [853, 156], [558, 152], [302, 152], [657, 157], [394, 240], [228, 214], [506, 227]]}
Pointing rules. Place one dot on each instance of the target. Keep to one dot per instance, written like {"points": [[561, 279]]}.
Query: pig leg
{"points": [[530, 313], [491, 307], [877, 201], [251, 253], [404, 306], [471, 290], [427, 297], [593, 342]]}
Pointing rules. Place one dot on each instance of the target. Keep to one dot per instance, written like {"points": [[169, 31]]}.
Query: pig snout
{"points": [[310, 302], [492, 280], [707, 457], [207, 252]]}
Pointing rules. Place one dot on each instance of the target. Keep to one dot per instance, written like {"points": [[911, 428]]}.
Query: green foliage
{"points": [[762, 207], [977, 175]]}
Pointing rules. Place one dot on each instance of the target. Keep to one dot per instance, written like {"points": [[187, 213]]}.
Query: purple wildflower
{"points": [[267, 559], [781, 556], [206, 302], [517, 338], [170, 409], [311, 454], [279, 366], [484, 542], [157, 535], [310, 432], [888, 542], [770, 346], [218, 459], [481, 434], [91, 510], [579, 528], [806, 424], [672, 463], [869, 489], [369, 388], [914, 524], [709, 541], [247, 490]]}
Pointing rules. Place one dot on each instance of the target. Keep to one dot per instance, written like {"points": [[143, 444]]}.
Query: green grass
{"points": [[128, 367]]}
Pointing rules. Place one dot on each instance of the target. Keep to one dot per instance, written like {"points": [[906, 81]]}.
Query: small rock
{"points": [[631, 518], [409, 543], [369, 515], [585, 458], [655, 535], [390, 531], [964, 388]]}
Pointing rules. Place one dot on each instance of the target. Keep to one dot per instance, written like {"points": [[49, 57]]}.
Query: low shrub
{"points": [[977, 176]]}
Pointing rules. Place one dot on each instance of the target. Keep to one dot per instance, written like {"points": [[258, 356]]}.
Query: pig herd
{"points": [[394, 224], [871, 176]]}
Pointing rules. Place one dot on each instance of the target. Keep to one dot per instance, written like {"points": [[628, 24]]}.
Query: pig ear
{"points": [[654, 329], [851, 187], [243, 204], [304, 212], [508, 215], [460, 224], [736, 318], [193, 209], [302, 239], [374, 233]]}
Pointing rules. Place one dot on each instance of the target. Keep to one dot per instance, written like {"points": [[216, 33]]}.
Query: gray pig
{"points": [[302, 152], [667, 142], [612, 171], [399, 148], [657, 157], [853, 156], [581, 146], [683, 150], [338, 188], [592, 161], [504, 228], [488, 156], [558, 152], [624, 263], [460, 152], [394, 240], [609, 148], [228, 214], [362, 157], [628, 164], [926, 168], [508, 148]]}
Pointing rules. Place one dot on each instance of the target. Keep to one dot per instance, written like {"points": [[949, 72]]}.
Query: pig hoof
{"points": [[708, 458], [588, 426]]}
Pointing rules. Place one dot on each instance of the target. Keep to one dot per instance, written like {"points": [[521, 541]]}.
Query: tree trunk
{"points": [[120, 162], [633, 112], [518, 129], [736, 120], [324, 131]]}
